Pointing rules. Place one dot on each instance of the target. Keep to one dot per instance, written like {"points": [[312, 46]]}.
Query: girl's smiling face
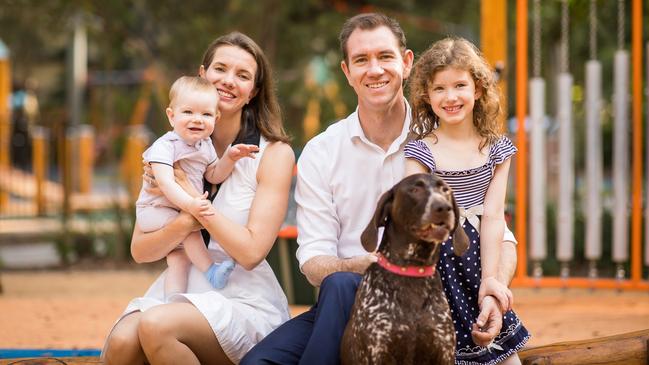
{"points": [[452, 94], [232, 71]]}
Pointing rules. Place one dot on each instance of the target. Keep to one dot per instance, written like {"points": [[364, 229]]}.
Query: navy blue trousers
{"points": [[312, 337]]}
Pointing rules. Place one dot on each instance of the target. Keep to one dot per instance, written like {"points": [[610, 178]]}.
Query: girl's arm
{"points": [[414, 167], [492, 228], [248, 245], [217, 172]]}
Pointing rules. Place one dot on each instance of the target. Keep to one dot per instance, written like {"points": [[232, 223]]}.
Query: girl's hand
{"points": [[241, 150], [491, 286]]}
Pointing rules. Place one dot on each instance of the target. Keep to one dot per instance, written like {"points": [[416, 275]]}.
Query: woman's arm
{"points": [[250, 244], [492, 228], [153, 246]]}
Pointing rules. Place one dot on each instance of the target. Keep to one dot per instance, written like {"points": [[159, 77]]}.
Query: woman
{"points": [[207, 325]]}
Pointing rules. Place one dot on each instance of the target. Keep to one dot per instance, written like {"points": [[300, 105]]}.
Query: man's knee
{"points": [[343, 283], [255, 356]]}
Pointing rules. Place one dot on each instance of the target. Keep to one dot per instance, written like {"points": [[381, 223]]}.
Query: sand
{"points": [[75, 309]]}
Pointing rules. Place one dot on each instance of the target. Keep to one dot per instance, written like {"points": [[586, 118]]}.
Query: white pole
{"points": [[593, 163], [621, 158], [78, 63], [565, 216], [538, 249]]}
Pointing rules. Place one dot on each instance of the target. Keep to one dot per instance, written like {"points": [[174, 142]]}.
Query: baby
{"points": [[192, 113]]}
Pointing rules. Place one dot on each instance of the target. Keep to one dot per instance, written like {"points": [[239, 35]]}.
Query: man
{"points": [[341, 174]]}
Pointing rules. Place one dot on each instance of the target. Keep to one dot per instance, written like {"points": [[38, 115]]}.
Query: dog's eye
{"points": [[445, 189]]}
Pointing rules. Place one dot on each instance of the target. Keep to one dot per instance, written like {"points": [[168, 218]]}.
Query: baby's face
{"points": [[194, 114]]}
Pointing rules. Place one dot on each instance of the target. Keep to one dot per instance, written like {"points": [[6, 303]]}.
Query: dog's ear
{"points": [[369, 236], [460, 239]]}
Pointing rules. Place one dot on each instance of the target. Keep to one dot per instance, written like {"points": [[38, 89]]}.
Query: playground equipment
{"points": [[594, 175]]}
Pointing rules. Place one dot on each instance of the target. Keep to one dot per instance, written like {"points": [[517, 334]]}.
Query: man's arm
{"points": [[318, 222], [319, 267], [508, 262], [489, 321]]}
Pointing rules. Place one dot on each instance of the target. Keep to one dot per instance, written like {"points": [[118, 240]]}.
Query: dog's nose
{"points": [[440, 210]]}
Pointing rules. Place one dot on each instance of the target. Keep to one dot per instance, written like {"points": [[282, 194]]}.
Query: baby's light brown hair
{"points": [[190, 83], [462, 54]]}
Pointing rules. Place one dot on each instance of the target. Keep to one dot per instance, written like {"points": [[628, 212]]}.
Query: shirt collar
{"points": [[356, 131], [173, 136]]}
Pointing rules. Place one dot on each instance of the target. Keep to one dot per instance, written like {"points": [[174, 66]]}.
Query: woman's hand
{"points": [[149, 178], [491, 286], [181, 179]]}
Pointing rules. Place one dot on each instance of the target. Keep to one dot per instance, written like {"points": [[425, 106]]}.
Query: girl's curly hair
{"points": [[460, 53]]}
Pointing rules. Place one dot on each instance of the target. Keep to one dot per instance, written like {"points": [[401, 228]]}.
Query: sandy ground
{"points": [[75, 309]]}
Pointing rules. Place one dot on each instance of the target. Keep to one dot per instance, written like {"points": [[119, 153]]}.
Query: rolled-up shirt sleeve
{"points": [[317, 220], [509, 235]]}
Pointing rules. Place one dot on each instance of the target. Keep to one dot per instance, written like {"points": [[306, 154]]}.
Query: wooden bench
{"points": [[625, 349]]}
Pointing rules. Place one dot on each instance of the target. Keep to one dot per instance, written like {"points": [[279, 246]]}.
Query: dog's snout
{"points": [[442, 207]]}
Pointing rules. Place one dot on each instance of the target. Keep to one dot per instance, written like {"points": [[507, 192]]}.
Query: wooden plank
{"points": [[625, 349]]}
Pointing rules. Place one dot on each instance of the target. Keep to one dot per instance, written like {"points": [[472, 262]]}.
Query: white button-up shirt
{"points": [[340, 177]]}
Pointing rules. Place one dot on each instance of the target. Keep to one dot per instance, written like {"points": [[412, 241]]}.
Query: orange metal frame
{"points": [[521, 278]]}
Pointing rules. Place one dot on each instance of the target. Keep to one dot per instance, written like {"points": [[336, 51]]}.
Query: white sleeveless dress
{"points": [[252, 304]]}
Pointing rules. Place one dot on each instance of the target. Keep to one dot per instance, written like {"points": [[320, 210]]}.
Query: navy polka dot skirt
{"points": [[461, 280]]}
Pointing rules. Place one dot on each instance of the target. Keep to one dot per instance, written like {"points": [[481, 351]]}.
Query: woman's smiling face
{"points": [[232, 71]]}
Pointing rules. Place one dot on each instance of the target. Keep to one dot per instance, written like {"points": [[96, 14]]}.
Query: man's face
{"points": [[376, 67]]}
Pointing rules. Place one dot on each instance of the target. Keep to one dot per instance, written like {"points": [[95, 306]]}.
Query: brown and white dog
{"points": [[401, 315]]}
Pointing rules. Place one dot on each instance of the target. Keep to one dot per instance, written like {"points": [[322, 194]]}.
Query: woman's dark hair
{"points": [[263, 111]]}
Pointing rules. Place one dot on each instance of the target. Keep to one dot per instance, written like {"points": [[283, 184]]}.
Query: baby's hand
{"points": [[200, 206], [491, 286], [241, 150]]}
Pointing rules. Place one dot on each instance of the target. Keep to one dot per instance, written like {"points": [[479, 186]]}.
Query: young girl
{"points": [[192, 113], [455, 109]]}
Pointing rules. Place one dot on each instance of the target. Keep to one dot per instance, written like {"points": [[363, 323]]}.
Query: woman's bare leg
{"points": [[177, 274], [178, 333], [123, 345]]}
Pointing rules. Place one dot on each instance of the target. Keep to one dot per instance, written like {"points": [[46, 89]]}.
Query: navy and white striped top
{"points": [[469, 186]]}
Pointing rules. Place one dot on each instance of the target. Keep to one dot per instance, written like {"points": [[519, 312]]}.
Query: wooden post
{"points": [[86, 158], [493, 43], [5, 120], [521, 137], [131, 168]]}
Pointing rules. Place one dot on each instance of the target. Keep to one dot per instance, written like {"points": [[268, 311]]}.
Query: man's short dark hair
{"points": [[369, 21]]}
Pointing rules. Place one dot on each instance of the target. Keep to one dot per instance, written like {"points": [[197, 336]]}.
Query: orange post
{"points": [[493, 42], [521, 137], [131, 167], [636, 198], [5, 120], [86, 158]]}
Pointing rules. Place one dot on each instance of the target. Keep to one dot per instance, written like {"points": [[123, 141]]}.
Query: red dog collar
{"points": [[411, 271]]}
